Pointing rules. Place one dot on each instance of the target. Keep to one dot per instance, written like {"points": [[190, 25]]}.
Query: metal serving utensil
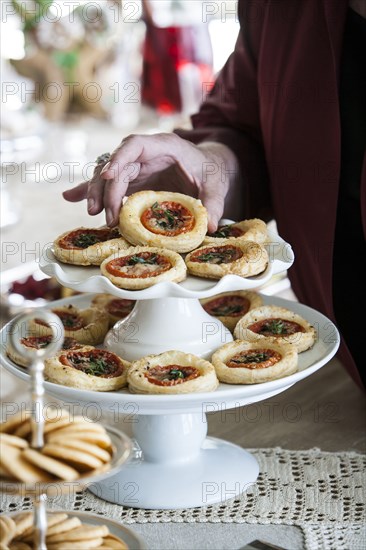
{"points": [[36, 357]]}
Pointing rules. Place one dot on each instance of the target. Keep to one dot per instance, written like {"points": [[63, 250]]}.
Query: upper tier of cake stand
{"points": [[89, 279]]}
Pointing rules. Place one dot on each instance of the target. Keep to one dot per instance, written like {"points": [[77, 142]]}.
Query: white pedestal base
{"points": [[180, 467], [164, 324]]}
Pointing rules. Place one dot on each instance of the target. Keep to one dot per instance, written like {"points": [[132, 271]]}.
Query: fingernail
{"points": [[91, 204], [105, 168], [109, 216]]}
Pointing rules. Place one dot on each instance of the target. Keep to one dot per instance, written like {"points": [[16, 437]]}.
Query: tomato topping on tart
{"points": [[171, 375], [71, 321], [217, 255], [39, 342], [255, 359], [168, 218], [97, 362], [82, 238], [120, 307], [140, 265], [275, 327], [233, 306], [227, 232]]}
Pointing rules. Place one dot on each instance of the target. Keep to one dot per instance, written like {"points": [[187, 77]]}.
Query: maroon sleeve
{"points": [[230, 114]]}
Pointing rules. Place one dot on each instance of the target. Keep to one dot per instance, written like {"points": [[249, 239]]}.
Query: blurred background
{"points": [[77, 77]]}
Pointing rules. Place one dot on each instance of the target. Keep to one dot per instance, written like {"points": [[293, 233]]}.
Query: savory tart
{"points": [[87, 326], [171, 372], [143, 266], [163, 219], [84, 246], [276, 325], [214, 261], [88, 368], [247, 230], [34, 343], [254, 362], [229, 307], [116, 308]]}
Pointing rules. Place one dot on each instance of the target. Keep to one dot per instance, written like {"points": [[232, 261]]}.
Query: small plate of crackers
{"points": [[75, 451], [68, 531]]}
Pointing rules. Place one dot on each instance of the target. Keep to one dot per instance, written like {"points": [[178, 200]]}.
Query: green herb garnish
{"points": [[85, 239], [217, 257], [43, 344], [69, 321], [175, 374], [222, 232], [139, 260], [254, 358], [97, 367], [277, 326], [226, 310], [167, 219]]}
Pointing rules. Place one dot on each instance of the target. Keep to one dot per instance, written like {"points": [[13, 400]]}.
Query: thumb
{"points": [[214, 205]]}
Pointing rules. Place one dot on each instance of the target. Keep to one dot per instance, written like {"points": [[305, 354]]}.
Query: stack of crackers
{"points": [[63, 533], [74, 447]]}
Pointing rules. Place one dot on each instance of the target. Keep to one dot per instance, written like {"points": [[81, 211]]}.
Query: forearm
{"points": [[224, 163]]}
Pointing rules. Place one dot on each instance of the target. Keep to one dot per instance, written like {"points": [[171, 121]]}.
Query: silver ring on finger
{"points": [[103, 159]]}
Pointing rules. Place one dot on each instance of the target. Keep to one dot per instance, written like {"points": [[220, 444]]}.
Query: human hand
{"points": [[159, 162]]}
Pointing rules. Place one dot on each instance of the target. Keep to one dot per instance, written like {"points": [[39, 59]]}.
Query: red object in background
{"points": [[31, 289], [168, 50]]}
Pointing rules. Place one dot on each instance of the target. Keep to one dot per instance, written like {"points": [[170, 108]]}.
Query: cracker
{"points": [[84, 446], [80, 425], [19, 545], [84, 532], [100, 439], [52, 520], [78, 459], [7, 530], [55, 467], [13, 461], [63, 526], [5, 473], [76, 545], [51, 419], [13, 440], [14, 422], [111, 542], [23, 522]]}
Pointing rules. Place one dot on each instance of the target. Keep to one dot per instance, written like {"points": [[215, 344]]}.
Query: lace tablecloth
{"points": [[321, 493]]}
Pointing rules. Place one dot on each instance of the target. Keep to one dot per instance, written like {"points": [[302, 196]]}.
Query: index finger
{"points": [[115, 190], [127, 153]]}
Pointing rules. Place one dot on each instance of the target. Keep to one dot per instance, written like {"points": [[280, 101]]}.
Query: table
{"points": [[326, 410]]}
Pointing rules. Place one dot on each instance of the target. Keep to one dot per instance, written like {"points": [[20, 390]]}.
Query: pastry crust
{"points": [[175, 273], [234, 300], [246, 230], [91, 329], [301, 339], [115, 308], [287, 363], [57, 371], [133, 229], [252, 260], [206, 379], [14, 355], [93, 254]]}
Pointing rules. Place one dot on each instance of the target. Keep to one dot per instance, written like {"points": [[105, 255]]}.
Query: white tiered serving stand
{"points": [[180, 466]]}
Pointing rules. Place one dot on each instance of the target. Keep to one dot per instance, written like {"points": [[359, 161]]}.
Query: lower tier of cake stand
{"points": [[179, 466]]}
